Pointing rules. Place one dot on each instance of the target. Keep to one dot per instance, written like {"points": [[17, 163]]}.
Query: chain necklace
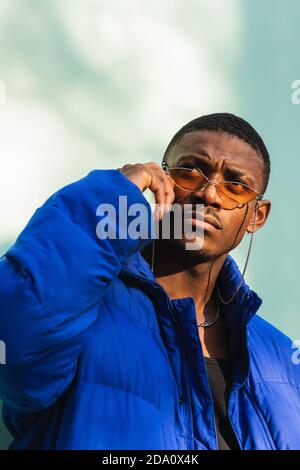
{"points": [[211, 321], [206, 323]]}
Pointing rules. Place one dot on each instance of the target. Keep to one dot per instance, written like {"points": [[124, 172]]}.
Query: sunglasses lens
{"points": [[189, 179], [236, 192], [232, 194]]}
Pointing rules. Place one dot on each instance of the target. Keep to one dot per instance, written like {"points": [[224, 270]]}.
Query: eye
{"points": [[187, 165], [236, 188], [237, 181], [192, 166]]}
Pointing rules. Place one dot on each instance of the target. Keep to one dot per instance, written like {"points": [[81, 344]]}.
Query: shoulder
{"points": [[268, 334], [273, 355]]}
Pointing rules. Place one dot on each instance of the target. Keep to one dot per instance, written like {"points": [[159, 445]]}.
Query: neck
{"points": [[182, 274]]}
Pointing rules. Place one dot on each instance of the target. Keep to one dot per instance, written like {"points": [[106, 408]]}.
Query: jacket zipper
{"points": [[170, 308], [229, 419], [214, 415], [253, 401], [211, 398]]}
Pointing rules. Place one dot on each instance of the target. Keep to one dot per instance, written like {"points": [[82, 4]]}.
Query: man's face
{"points": [[220, 156]]}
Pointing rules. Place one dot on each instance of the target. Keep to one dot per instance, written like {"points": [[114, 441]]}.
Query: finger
{"points": [[168, 188], [169, 193], [157, 187]]}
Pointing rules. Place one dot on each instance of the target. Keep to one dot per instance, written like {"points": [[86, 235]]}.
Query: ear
{"points": [[262, 209]]}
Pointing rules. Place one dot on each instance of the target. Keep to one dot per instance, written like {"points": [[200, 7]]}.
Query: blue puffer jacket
{"points": [[98, 356]]}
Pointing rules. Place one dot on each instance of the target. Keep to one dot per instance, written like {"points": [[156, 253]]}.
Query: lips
{"points": [[212, 221], [209, 219]]}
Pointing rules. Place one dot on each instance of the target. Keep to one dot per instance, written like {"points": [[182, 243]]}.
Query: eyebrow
{"points": [[232, 171]]}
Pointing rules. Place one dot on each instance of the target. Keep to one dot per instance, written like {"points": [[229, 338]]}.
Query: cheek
{"points": [[181, 196], [235, 225]]}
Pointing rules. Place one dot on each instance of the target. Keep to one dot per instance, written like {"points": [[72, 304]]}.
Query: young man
{"points": [[103, 353]]}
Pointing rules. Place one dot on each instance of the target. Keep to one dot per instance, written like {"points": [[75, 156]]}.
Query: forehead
{"points": [[220, 146]]}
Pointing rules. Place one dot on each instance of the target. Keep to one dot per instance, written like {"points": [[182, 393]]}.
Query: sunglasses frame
{"points": [[166, 168]]}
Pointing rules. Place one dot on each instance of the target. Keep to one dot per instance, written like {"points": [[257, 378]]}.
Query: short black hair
{"points": [[230, 124]]}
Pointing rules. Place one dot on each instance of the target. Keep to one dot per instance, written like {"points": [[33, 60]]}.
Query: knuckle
{"points": [[139, 166], [125, 167]]}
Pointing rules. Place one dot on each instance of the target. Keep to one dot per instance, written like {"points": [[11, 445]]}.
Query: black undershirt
{"points": [[219, 377]]}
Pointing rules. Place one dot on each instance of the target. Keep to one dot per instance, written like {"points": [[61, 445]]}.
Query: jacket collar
{"points": [[241, 309], [237, 313]]}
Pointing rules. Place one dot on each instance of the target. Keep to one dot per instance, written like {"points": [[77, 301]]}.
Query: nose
{"points": [[209, 196]]}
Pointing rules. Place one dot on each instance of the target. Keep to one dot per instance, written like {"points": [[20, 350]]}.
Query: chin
{"points": [[203, 253]]}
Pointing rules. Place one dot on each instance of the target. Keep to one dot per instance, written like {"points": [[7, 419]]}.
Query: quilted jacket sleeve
{"points": [[51, 284]]}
